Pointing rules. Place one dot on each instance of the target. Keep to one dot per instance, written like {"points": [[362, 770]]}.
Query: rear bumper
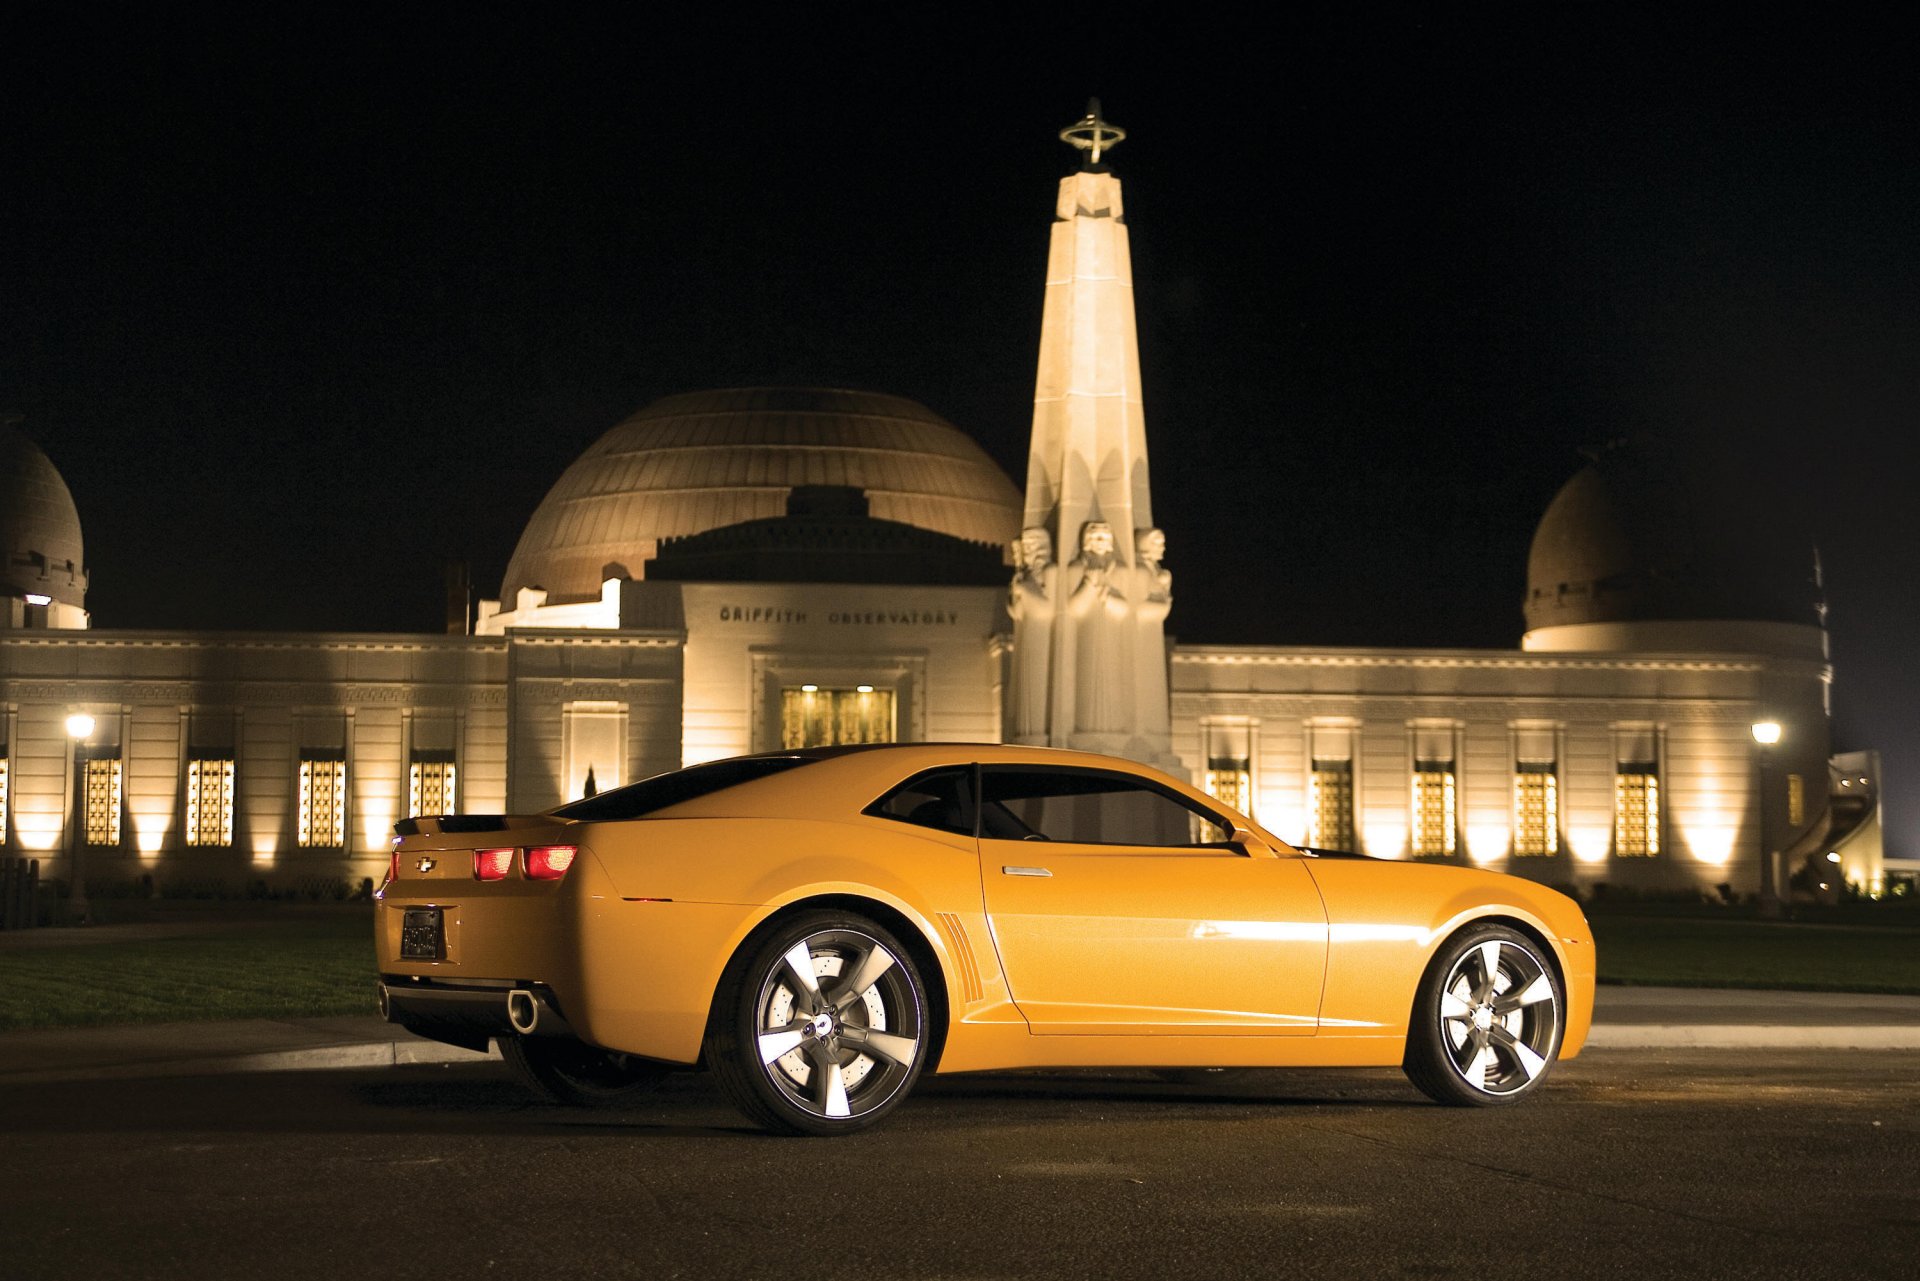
{"points": [[633, 975], [469, 1014], [463, 1014]]}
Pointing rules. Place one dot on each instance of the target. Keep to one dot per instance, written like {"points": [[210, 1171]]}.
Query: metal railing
{"points": [[19, 893]]}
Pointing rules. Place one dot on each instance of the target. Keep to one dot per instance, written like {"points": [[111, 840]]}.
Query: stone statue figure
{"points": [[1149, 549], [1155, 593], [1032, 602], [1100, 611]]}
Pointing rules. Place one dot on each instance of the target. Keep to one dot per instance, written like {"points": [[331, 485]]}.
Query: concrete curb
{"points": [[1749, 1036], [368, 1054]]}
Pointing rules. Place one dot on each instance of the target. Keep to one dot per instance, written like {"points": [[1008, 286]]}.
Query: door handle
{"points": [[1026, 871]]}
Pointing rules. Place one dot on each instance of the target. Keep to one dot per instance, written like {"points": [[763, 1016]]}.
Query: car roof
{"points": [[843, 780]]}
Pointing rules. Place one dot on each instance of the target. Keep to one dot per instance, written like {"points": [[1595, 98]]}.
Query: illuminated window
{"points": [[323, 802], [814, 717], [430, 784], [594, 748], [210, 801], [1330, 806], [1796, 800], [102, 800], [1227, 743], [1536, 809], [1433, 809], [1636, 810], [1330, 745], [1230, 781]]}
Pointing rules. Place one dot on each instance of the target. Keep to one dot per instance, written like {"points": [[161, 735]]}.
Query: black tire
{"points": [[1487, 1019], [578, 1075], [825, 1052]]}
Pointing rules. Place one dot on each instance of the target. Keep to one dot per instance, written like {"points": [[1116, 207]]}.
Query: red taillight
{"points": [[549, 862], [492, 865], [393, 870]]}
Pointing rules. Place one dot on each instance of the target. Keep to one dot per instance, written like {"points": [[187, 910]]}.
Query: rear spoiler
{"points": [[458, 824]]}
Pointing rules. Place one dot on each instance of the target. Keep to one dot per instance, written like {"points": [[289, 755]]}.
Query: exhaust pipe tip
{"points": [[523, 1011], [386, 1004], [532, 1013]]}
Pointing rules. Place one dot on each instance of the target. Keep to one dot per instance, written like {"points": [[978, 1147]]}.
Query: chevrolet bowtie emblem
{"points": [[426, 865]]}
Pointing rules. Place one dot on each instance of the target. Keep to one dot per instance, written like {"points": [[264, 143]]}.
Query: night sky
{"points": [[305, 304]]}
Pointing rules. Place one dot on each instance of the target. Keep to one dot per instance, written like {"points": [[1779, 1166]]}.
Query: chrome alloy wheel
{"points": [[1499, 1016], [837, 1028], [1487, 1019]]}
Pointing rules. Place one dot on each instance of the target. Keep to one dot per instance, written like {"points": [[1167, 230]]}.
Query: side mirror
{"points": [[1251, 844]]}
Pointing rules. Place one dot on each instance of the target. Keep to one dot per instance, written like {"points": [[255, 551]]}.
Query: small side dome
{"points": [[40, 549], [1643, 536], [705, 460]]}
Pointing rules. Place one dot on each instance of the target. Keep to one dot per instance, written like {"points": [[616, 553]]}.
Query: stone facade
{"points": [[509, 714], [1481, 711]]}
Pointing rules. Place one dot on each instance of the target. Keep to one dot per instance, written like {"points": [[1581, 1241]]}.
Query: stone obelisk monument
{"points": [[1089, 598]]}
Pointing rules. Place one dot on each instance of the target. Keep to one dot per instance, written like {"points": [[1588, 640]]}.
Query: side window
{"points": [[940, 799], [1090, 808]]}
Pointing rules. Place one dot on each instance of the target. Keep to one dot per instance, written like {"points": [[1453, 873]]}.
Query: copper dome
{"points": [[40, 548], [1643, 534], [704, 460]]}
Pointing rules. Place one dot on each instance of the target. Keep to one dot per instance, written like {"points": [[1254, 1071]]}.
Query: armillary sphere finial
{"points": [[1092, 134]]}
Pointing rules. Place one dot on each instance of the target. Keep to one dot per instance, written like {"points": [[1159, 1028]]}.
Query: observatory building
{"points": [[750, 569]]}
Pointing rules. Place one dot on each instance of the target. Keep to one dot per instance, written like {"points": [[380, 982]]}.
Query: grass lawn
{"points": [[1697, 951], [299, 968]]}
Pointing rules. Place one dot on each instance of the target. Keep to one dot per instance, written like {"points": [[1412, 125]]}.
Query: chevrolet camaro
{"points": [[819, 927]]}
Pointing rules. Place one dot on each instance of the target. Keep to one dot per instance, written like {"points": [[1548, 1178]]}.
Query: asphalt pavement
{"points": [[1633, 1164], [1708, 1132]]}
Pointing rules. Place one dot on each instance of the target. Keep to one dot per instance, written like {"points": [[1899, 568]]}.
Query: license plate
{"points": [[422, 936]]}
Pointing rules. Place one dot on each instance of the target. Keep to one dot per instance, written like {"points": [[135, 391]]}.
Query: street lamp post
{"points": [[79, 729], [1765, 735]]}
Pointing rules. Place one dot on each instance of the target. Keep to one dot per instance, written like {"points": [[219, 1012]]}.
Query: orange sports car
{"points": [[819, 927]]}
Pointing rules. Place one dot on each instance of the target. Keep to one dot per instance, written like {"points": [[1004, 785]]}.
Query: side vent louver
{"points": [[962, 949]]}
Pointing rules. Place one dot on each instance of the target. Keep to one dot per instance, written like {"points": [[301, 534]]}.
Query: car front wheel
{"points": [[1486, 1021], [820, 1026]]}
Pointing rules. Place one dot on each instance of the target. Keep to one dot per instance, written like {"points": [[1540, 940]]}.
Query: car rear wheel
{"points": [[1486, 1021], [820, 1026], [569, 1072]]}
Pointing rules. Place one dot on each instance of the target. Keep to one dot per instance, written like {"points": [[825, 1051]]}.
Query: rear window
{"points": [[656, 793], [940, 799]]}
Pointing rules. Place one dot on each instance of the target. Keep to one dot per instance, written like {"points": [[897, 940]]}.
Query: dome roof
{"points": [[1641, 536], [704, 460], [40, 550], [828, 536]]}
